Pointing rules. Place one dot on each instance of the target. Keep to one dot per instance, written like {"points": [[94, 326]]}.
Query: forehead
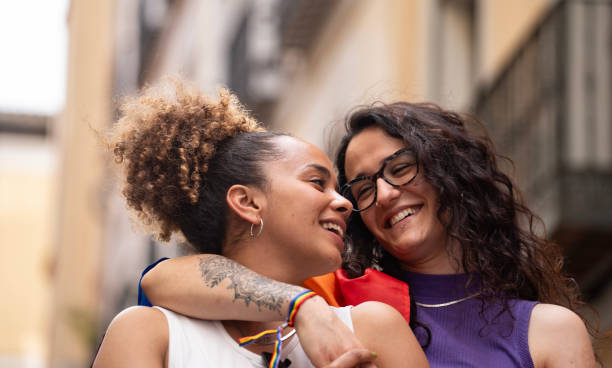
{"points": [[297, 155], [367, 151]]}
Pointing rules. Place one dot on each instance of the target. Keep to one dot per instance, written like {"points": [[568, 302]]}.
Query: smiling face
{"points": [[404, 219], [304, 215]]}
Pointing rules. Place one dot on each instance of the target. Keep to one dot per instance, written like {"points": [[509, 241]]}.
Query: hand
{"points": [[324, 337], [361, 358]]}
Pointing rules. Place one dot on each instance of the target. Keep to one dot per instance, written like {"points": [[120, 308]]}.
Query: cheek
{"points": [[369, 219]]}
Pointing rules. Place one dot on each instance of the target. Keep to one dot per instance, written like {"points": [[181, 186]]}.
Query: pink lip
{"points": [[337, 239]]}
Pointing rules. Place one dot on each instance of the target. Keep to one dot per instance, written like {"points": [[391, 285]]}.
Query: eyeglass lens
{"points": [[399, 170]]}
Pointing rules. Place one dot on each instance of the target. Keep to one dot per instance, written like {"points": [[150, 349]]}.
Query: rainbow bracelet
{"points": [[296, 303], [294, 306]]}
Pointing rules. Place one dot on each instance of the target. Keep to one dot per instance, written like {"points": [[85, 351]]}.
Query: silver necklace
{"points": [[447, 303]]}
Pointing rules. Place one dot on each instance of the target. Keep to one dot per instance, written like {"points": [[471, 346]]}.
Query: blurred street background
{"points": [[537, 72]]}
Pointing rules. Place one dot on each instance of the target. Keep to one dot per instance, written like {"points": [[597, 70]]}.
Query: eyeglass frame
{"points": [[379, 174]]}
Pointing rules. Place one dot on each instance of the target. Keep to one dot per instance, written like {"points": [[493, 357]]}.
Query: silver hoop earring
{"points": [[260, 229]]}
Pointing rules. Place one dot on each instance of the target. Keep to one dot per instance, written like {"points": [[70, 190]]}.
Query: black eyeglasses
{"points": [[398, 169]]}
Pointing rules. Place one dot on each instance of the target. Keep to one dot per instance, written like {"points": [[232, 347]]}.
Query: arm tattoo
{"points": [[248, 286]]}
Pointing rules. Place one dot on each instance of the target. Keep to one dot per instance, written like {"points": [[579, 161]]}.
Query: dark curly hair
{"points": [[479, 207], [179, 152]]}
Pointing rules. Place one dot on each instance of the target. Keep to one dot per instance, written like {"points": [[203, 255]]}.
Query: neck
{"points": [[446, 261], [263, 257]]}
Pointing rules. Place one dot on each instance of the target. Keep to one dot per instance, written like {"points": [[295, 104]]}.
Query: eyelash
{"points": [[319, 182]]}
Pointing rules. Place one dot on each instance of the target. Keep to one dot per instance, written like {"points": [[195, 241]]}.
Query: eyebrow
{"points": [[325, 172], [322, 169], [361, 174], [380, 163]]}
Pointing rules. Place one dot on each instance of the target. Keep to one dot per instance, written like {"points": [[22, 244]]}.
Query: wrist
{"points": [[310, 309]]}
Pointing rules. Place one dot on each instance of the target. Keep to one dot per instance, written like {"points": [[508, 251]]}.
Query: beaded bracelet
{"points": [[294, 306]]}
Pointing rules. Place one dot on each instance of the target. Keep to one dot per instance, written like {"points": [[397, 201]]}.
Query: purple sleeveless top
{"points": [[459, 336]]}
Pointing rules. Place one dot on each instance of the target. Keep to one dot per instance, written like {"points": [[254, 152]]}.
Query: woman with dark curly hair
{"points": [[206, 171], [453, 227], [432, 208]]}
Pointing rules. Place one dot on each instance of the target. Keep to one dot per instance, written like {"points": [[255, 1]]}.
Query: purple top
{"points": [[459, 335]]}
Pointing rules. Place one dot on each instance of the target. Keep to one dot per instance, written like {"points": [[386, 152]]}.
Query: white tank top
{"points": [[201, 343]]}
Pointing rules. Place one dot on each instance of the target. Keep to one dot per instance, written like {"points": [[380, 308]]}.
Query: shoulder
{"points": [[381, 328], [376, 313], [138, 336], [140, 321], [558, 337], [372, 317]]}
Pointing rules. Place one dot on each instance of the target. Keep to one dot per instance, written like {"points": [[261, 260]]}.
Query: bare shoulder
{"points": [[558, 338], [136, 337], [382, 329], [376, 313], [138, 323]]}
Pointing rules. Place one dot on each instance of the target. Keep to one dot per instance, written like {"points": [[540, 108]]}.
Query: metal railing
{"points": [[547, 107], [550, 111]]}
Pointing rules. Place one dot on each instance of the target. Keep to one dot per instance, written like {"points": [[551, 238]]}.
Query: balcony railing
{"points": [[550, 110]]}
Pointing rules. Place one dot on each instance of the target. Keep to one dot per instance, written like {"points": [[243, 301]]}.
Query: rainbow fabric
{"points": [[249, 339]]}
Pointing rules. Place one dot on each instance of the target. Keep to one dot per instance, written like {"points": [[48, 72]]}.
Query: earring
{"points": [[260, 229]]}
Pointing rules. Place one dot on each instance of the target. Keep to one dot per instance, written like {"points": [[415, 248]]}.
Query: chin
{"points": [[403, 249], [333, 263]]}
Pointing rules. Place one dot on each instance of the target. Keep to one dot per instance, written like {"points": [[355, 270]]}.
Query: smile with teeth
{"points": [[403, 214], [333, 227]]}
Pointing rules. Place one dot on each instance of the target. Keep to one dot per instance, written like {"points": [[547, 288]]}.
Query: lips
{"points": [[333, 227], [399, 216]]}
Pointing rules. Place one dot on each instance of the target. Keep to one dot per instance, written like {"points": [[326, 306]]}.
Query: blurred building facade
{"points": [[28, 178], [301, 66]]}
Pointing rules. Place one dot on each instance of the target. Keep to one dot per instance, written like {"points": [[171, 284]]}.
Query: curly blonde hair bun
{"points": [[164, 141]]}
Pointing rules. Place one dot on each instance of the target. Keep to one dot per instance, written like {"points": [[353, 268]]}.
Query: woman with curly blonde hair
{"points": [[206, 171]]}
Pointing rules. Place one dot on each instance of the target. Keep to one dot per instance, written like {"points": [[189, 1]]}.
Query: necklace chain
{"points": [[447, 303]]}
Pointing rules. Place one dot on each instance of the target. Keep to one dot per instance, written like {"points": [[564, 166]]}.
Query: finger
{"points": [[353, 358]]}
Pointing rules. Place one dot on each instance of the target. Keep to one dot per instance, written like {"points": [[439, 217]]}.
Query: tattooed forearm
{"points": [[247, 285]]}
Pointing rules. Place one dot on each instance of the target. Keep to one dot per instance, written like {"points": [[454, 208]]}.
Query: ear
{"points": [[246, 202]]}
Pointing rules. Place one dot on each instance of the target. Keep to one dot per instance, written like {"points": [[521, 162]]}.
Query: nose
{"points": [[385, 192], [341, 204]]}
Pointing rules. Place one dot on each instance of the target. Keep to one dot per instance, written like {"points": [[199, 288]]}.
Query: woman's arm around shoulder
{"points": [[382, 329], [214, 287], [137, 337], [558, 338]]}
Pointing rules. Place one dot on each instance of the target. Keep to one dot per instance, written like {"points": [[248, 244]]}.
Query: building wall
{"points": [[78, 247], [502, 26], [368, 51], [390, 50], [28, 187]]}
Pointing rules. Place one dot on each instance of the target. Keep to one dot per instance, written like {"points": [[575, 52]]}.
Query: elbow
{"points": [[148, 284]]}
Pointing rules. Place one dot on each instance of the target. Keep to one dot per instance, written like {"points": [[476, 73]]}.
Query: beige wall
{"points": [[368, 51], [27, 204], [387, 50], [78, 250], [502, 26]]}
